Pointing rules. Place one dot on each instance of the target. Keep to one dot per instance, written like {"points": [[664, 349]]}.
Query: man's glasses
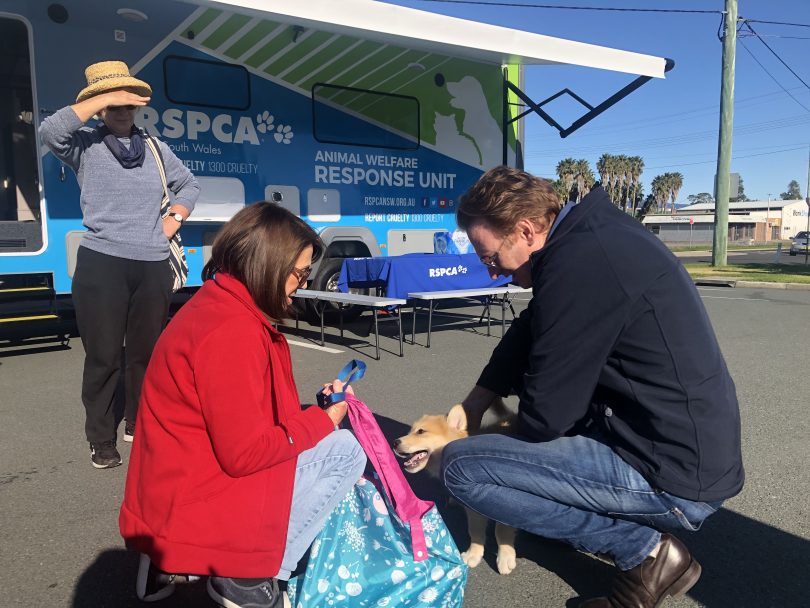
{"points": [[302, 274], [491, 261], [120, 108]]}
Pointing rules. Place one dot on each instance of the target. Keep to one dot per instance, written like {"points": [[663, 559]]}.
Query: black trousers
{"points": [[117, 301]]}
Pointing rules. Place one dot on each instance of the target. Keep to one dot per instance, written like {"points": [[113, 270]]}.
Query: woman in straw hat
{"points": [[122, 284]]}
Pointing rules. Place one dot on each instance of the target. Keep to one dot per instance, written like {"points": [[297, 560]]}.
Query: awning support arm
{"points": [[593, 111]]}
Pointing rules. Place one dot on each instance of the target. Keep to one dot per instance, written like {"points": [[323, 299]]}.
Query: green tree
{"points": [[622, 181], [675, 183], [793, 193], [636, 169], [604, 167], [566, 171], [740, 194], [584, 178], [559, 189], [660, 191], [702, 197]]}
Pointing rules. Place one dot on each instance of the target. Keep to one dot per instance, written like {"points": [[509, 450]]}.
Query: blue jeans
{"points": [[573, 489], [323, 476]]}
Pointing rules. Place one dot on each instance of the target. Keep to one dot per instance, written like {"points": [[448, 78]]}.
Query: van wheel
{"points": [[327, 280]]}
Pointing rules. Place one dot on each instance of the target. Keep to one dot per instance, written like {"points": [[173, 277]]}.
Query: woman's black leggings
{"points": [[119, 303]]}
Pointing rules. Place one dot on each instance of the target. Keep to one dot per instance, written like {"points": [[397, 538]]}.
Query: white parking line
{"points": [[728, 298], [325, 349]]}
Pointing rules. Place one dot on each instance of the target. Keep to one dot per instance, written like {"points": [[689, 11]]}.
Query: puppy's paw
{"points": [[506, 559], [472, 556]]}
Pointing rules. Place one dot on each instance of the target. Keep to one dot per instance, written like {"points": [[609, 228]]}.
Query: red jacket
{"points": [[219, 429]]}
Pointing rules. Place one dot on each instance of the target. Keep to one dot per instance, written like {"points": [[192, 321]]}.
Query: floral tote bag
{"points": [[381, 546]]}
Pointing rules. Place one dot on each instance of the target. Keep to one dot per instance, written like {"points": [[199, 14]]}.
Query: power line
{"points": [[578, 8], [777, 22], [759, 63], [686, 138], [767, 46], [705, 162]]}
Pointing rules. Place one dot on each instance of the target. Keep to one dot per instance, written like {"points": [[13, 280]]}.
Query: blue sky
{"points": [[671, 123]]}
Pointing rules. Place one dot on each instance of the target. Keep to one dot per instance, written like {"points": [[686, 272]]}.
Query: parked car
{"points": [[799, 243]]}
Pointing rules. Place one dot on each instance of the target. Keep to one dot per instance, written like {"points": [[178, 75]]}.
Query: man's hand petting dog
{"points": [[421, 449]]}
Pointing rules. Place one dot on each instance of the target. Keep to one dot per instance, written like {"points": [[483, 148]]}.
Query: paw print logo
{"points": [[283, 134], [264, 122], [462, 269]]}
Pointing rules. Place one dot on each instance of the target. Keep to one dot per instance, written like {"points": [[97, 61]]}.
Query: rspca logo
{"points": [[174, 123], [435, 273]]}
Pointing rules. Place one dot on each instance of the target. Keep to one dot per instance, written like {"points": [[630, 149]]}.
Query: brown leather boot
{"points": [[671, 573]]}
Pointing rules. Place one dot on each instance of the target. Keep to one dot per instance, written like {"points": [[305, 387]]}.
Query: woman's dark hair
{"points": [[259, 246]]}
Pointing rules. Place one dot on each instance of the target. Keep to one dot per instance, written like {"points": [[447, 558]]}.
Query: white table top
{"points": [[348, 298], [467, 293]]}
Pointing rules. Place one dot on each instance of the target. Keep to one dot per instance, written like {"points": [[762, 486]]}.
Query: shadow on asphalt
{"points": [[746, 564]]}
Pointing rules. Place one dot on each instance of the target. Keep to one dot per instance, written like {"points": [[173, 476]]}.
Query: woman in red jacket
{"points": [[229, 478]]}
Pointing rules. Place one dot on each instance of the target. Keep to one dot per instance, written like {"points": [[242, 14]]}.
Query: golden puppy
{"points": [[422, 448]]}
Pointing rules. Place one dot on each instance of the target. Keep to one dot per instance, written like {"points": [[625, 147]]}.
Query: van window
{"points": [[388, 120], [197, 82]]}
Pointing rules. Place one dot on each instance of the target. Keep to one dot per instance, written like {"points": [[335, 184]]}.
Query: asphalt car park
{"points": [[59, 542]]}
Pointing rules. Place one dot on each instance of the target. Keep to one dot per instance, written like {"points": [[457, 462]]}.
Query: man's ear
{"points": [[457, 418]]}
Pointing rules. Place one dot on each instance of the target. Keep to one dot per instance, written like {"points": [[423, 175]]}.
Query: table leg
{"points": [[399, 319], [503, 315], [321, 306], [376, 333], [413, 323], [430, 322], [489, 313], [340, 314]]}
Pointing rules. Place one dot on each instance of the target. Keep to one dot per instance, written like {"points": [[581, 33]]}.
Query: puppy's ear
{"points": [[457, 418]]}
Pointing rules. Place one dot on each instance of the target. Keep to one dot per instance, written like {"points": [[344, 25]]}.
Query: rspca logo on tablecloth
{"points": [[450, 271]]}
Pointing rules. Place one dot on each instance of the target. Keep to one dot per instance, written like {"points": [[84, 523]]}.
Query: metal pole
{"points": [[721, 184], [807, 200], [768, 220]]}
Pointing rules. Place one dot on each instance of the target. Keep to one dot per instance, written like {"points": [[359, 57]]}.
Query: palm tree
{"points": [[675, 184], [602, 166], [559, 189], [660, 190], [584, 177], [636, 169], [566, 171]]}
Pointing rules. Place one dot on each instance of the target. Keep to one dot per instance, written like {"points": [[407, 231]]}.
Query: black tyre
{"points": [[327, 280], [793, 253]]}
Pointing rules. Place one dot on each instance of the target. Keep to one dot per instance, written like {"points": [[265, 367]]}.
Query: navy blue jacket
{"points": [[616, 332]]}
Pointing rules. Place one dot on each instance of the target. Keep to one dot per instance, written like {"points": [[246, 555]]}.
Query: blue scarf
{"points": [[128, 157]]}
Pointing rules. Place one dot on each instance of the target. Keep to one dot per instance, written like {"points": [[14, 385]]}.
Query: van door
{"points": [[21, 225]]}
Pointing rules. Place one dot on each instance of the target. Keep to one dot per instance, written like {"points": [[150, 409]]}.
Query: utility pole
{"points": [[807, 200], [721, 184]]}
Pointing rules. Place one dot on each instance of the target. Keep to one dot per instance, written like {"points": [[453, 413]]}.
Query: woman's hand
{"points": [[337, 411], [88, 108], [170, 226]]}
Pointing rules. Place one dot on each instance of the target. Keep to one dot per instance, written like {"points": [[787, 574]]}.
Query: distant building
{"points": [[747, 221]]}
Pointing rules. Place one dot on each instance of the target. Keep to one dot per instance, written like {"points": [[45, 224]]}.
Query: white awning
{"points": [[417, 29]]}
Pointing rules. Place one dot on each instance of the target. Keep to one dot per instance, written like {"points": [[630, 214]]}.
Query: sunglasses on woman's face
{"points": [[120, 108], [302, 274]]}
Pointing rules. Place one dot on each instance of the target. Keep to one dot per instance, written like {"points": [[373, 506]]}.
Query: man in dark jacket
{"points": [[628, 419]]}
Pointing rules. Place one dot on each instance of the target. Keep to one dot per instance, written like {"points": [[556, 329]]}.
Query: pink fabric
{"points": [[408, 506]]}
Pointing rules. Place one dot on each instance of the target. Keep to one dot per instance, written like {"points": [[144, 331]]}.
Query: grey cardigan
{"points": [[120, 207]]}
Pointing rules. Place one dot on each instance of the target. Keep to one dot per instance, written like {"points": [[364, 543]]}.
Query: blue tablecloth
{"points": [[402, 274]]}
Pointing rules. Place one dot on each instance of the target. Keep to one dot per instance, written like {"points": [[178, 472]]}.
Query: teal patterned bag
{"points": [[381, 546]]}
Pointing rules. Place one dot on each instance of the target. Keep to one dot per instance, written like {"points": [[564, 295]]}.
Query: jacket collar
{"points": [[596, 197], [237, 289]]}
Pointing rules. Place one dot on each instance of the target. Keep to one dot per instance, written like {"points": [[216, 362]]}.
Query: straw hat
{"points": [[110, 75]]}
